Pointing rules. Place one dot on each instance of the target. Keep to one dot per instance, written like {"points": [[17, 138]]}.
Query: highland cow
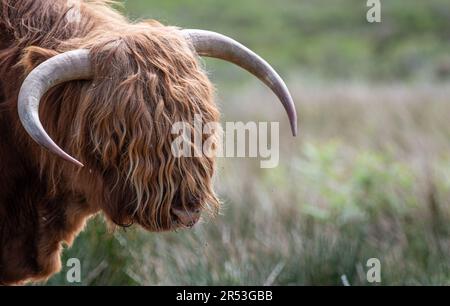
{"points": [[77, 77]]}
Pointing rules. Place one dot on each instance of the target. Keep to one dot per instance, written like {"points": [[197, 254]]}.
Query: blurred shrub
{"points": [[362, 187]]}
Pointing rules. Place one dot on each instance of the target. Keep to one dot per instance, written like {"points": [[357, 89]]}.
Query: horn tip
{"points": [[80, 165], [294, 130], [72, 160], [77, 163], [293, 119]]}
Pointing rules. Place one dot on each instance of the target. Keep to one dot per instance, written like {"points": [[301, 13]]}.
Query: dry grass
{"points": [[368, 177]]}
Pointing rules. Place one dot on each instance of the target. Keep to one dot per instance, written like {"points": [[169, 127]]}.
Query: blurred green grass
{"points": [[368, 177], [375, 186], [326, 38]]}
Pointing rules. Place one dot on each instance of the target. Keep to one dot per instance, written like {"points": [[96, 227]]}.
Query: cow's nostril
{"points": [[186, 217]]}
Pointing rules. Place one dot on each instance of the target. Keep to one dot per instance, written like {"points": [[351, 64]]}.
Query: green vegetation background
{"points": [[368, 177], [327, 38]]}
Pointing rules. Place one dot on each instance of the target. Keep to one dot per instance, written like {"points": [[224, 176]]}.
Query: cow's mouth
{"points": [[184, 218]]}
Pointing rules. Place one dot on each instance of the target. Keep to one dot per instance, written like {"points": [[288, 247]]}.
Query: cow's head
{"points": [[121, 96]]}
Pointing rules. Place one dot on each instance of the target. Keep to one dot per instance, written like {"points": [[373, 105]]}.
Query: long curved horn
{"points": [[216, 45], [76, 65], [69, 66]]}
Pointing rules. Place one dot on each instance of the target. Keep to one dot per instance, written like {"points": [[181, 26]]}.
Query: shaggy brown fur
{"points": [[118, 125]]}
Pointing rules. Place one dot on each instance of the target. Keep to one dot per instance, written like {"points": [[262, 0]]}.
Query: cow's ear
{"points": [[33, 56]]}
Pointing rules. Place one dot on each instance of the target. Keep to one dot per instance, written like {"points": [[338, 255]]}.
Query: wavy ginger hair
{"points": [[146, 78]]}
